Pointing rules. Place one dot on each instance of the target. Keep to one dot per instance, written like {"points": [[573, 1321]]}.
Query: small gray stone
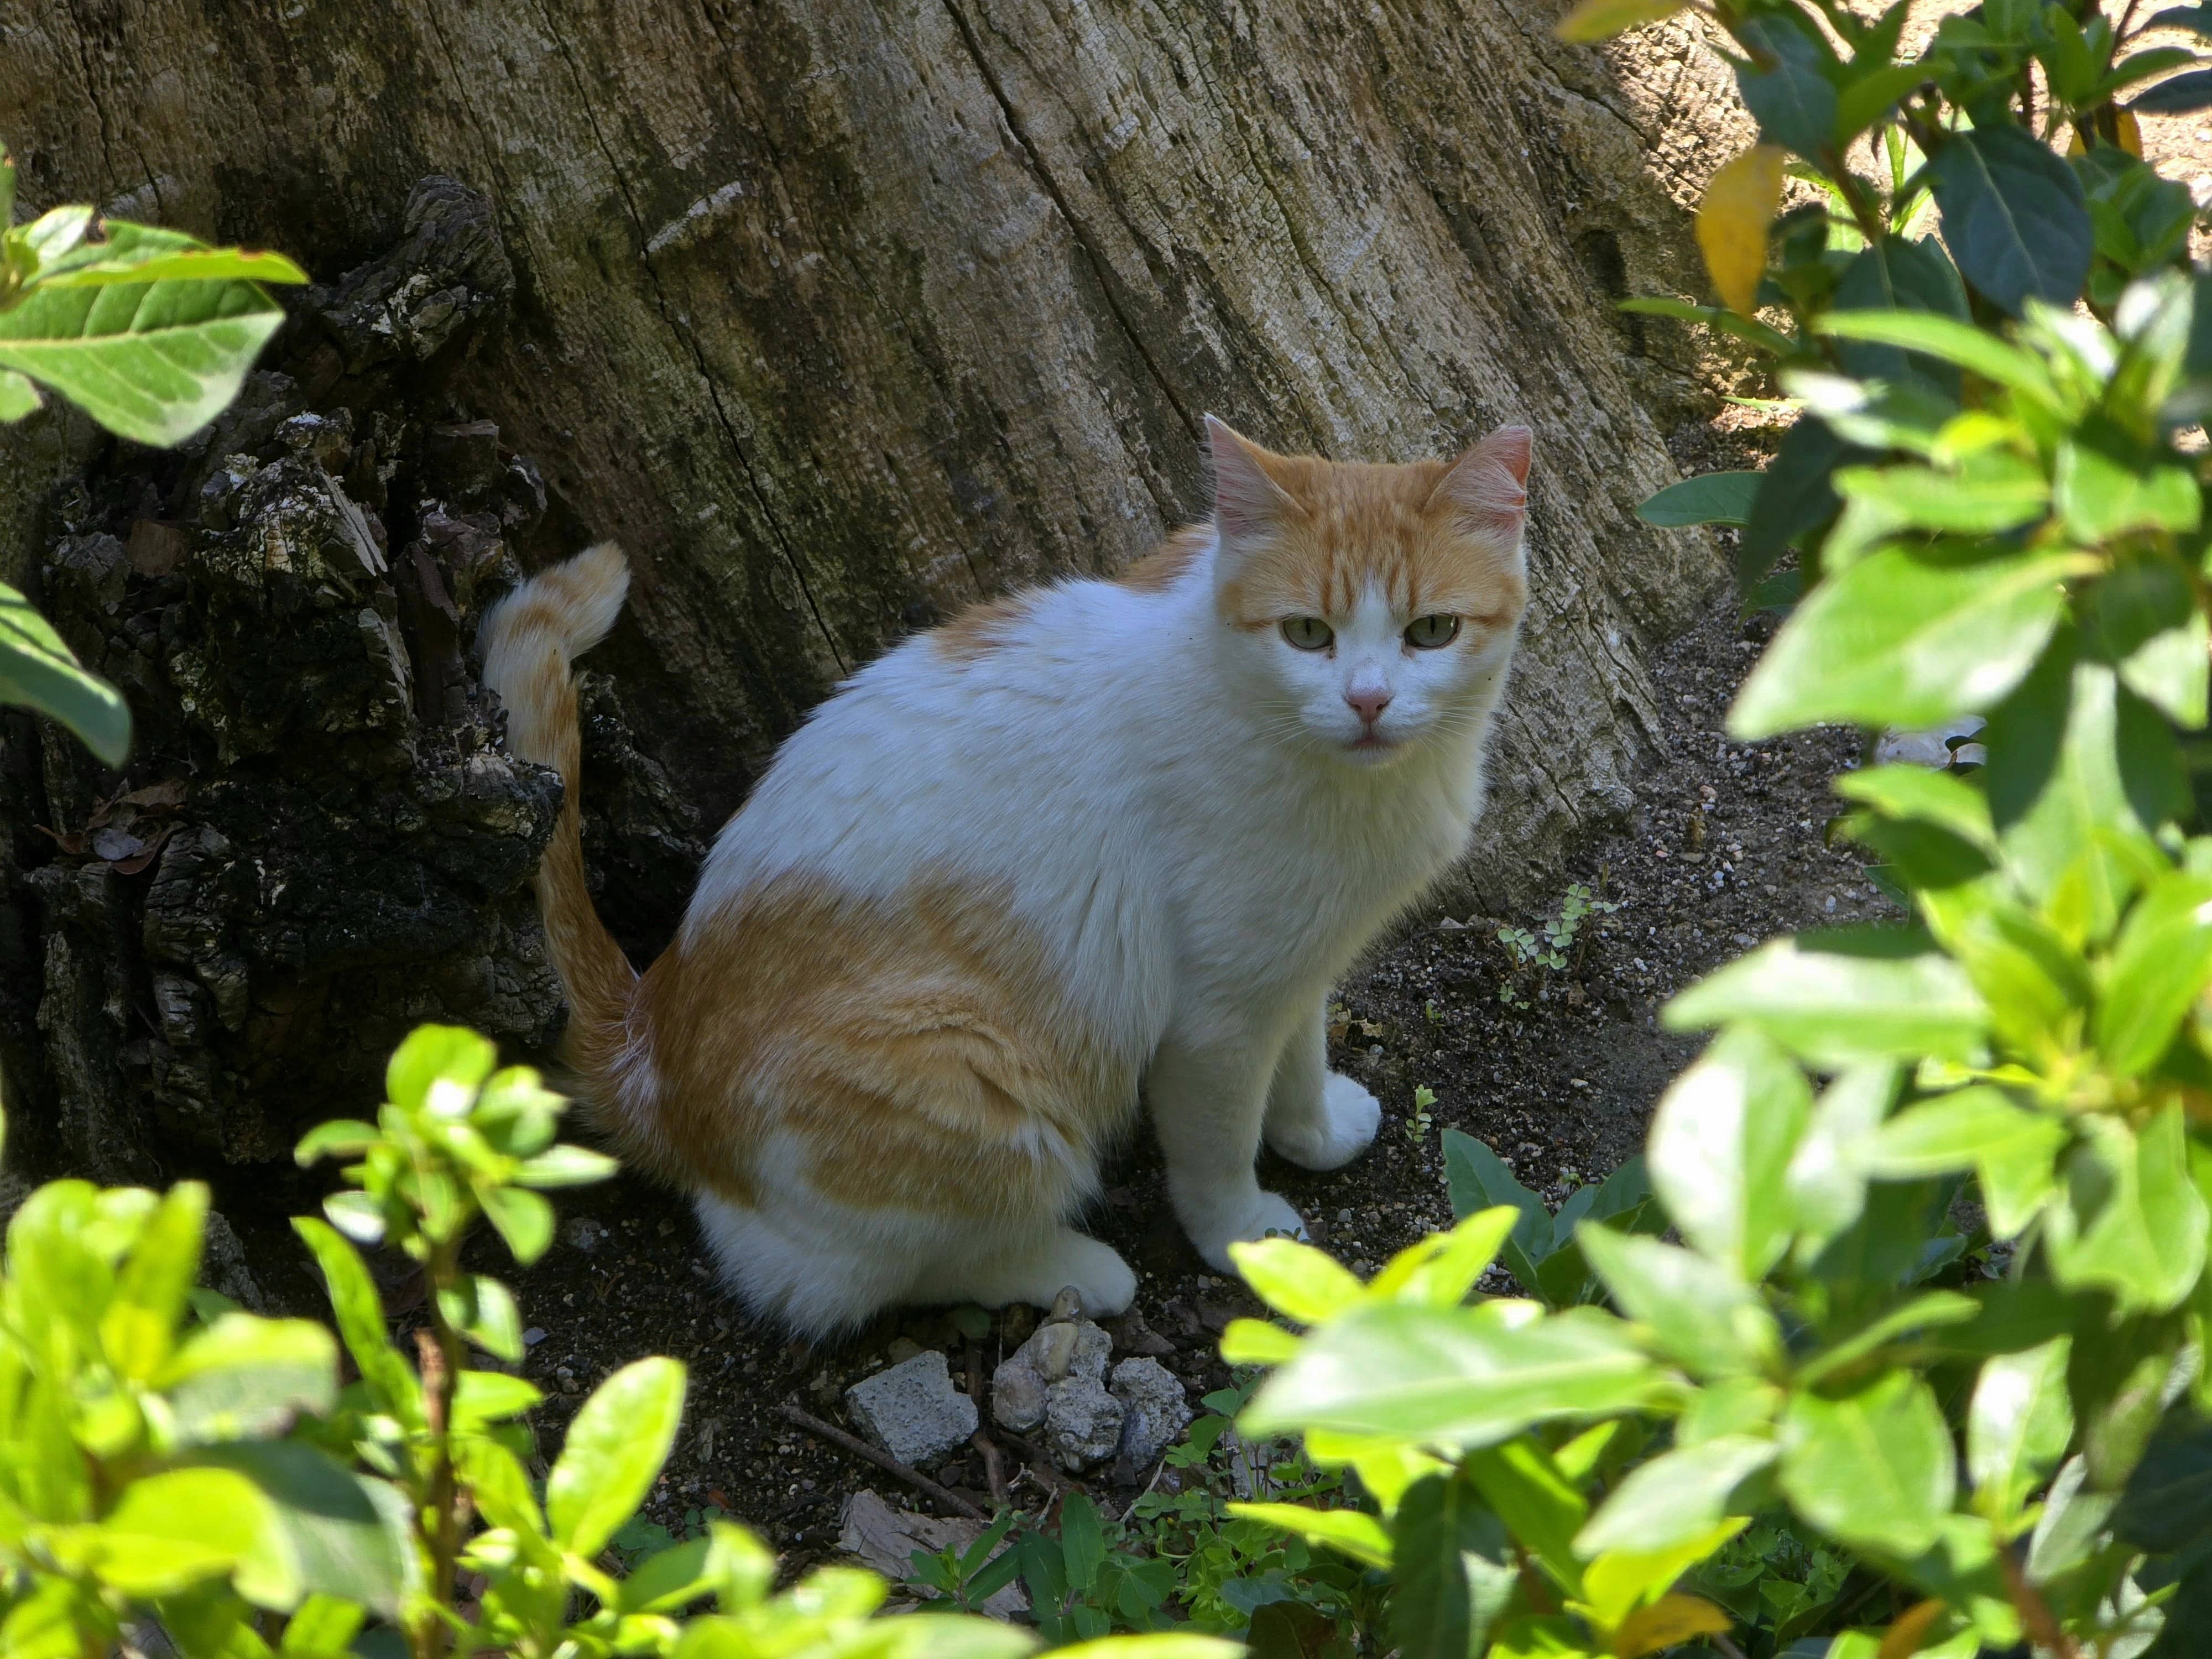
{"points": [[1082, 1423], [1154, 1409], [1068, 1304], [912, 1410], [1018, 1398]]}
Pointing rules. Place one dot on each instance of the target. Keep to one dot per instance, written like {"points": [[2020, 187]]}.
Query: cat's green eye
{"points": [[1308, 633], [1427, 633]]}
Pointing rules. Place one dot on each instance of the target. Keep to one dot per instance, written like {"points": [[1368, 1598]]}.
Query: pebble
{"points": [[912, 1410], [1155, 1409], [533, 1336]]}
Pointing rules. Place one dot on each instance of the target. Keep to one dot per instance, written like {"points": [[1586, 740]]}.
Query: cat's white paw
{"points": [[1107, 1285], [1343, 1127], [1257, 1217]]}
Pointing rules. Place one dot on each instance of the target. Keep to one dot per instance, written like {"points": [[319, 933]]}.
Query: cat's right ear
{"points": [[1245, 499]]}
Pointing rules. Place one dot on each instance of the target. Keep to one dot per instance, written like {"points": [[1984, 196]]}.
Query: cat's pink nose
{"points": [[1368, 701]]}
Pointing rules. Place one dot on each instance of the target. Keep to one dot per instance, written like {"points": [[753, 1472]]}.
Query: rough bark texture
{"points": [[840, 315]]}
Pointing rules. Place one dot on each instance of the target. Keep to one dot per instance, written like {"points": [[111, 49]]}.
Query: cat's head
{"points": [[1369, 610]]}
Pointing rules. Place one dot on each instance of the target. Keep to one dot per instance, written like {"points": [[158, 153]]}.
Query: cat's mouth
{"points": [[1372, 743]]}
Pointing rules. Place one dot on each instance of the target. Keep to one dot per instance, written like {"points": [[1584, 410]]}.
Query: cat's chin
{"points": [[1372, 751]]}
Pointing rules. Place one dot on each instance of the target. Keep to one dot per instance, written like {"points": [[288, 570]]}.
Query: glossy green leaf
{"points": [[243, 1377], [1540, 1507], [1869, 98], [137, 261], [483, 1309], [1952, 1131], [1352, 1532], [481, 1398], [325, 1529], [2145, 621], [2013, 217], [1708, 498], [359, 1314], [2161, 963], [1592, 20], [1952, 340], [1929, 1311], [39, 671], [2017, 1427], [1873, 1468], [2167, 1505], [19, 397], [1825, 1187], [1295, 1279], [1478, 1180], [1676, 1496], [2014, 492], [170, 1530], [566, 1166], [1453, 1570], [2177, 96], [1795, 496], [139, 1326], [1465, 1377], [523, 1220], [151, 362], [2106, 487], [614, 1451], [2130, 1219], [1792, 101], [439, 1069], [1840, 998], [1706, 1319], [1721, 1142], [1905, 638], [1916, 792]]}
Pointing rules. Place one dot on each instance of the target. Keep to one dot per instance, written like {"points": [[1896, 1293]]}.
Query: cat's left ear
{"points": [[1488, 486]]}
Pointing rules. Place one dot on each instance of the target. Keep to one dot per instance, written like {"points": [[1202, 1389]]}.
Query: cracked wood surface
{"points": [[842, 314]]}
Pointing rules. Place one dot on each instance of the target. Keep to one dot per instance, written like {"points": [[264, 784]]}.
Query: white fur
{"points": [[1177, 808]]}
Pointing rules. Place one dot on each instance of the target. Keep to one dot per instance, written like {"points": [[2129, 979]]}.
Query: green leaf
{"points": [[1676, 1497], [615, 1449], [2014, 217], [325, 1530], [243, 1377], [1255, 1342], [1871, 97], [1749, 330], [669, 1581], [1873, 1468], [1916, 792], [18, 396], [1295, 1279], [2178, 96], [1441, 1269], [438, 1070], [523, 1220], [151, 362], [483, 1309], [1592, 20], [1840, 997], [1795, 497], [340, 1138], [1825, 1187], [2017, 1427], [1478, 1180], [1952, 1131], [2145, 621], [1540, 1506], [2167, 1505], [171, 1530], [2012, 492], [2032, 981], [1793, 101], [359, 1314], [148, 262], [1953, 341], [2160, 964], [37, 670], [1930, 1310], [1464, 1376], [2130, 1220], [1707, 1319], [1708, 498], [1720, 1143], [481, 1398], [2106, 485], [139, 1327], [1906, 637], [1353, 1532], [565, 1166], [1897, 275]]}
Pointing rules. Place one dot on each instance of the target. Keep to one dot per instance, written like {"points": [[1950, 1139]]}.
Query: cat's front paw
{"points": [[1260, 1214], [1343, 1127]]}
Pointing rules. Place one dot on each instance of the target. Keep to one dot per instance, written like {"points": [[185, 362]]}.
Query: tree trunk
{"points": [[839, 315]]}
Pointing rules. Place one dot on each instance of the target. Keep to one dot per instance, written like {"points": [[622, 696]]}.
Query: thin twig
{"points": [[1041, 1464], [1159, 1469], [2035, 1614], [884, 1461], [994, 1467]]}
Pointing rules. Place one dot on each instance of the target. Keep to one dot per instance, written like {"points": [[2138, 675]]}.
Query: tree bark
{"points": [[842, 314]]}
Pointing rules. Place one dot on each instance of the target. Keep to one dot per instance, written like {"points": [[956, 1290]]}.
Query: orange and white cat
{"points": [[1098, 838]]}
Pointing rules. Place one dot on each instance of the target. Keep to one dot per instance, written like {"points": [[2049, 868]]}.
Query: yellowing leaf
{"points": [[1385, 1467], [1910, 1633], [1443, 1267], [1255, 1342], [1601, 20], [1616, 1583], [1740, 205], [1670, 1620], [1358, 1534]]}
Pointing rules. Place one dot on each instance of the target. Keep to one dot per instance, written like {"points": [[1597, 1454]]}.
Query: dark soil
{"points": [[1725, 849]]}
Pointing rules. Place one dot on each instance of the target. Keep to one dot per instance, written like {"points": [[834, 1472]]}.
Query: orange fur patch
{"points": [[1166, 564], [918, 1050], [1343, 528], [982, 628]]}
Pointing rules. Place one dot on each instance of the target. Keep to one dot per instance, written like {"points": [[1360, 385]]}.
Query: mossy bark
{"points": [[842, 314]]}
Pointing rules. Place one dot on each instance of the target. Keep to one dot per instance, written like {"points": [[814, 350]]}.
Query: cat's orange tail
{"points": [[530, 642]]}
